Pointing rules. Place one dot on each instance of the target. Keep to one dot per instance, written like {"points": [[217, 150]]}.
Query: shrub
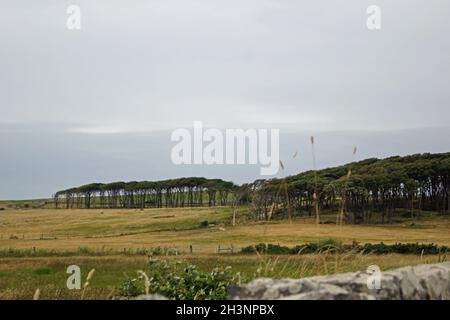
{"points": [[204, 224], [249, 249], [277, 249], [332, 245], [131, 288], [182, 281], [402, 248], [260, 248]]}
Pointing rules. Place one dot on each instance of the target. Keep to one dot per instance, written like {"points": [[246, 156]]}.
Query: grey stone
{"points": [[431, 281]]}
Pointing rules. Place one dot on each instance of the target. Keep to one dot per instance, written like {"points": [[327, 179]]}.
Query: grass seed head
{"points": [[36, 295]]}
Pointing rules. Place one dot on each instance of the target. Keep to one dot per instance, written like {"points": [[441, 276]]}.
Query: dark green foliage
{"points": [[329, 245], [368, 191], [131, 288], [333, 246], [277, 249], [182, 281], [405, 248], [181, 192], [204, 224]]}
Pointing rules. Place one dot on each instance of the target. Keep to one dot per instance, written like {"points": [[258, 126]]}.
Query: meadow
{"points": [[37, 245]]}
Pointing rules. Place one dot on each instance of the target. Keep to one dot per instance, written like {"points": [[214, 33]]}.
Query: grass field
{"points": [[106, 239]]}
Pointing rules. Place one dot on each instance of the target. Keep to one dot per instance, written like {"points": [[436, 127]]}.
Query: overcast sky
{"points": [[99, 104]]}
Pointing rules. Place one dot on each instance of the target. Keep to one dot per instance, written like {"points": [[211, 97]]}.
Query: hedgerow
{"points": [[378, 248]]}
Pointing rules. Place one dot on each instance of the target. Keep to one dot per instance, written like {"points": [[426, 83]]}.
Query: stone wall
{"points": [[430, 281]]}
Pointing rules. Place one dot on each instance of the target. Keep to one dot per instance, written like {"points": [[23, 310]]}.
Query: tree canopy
{"points": [[358, 190], [181, 192], [370, 186]]}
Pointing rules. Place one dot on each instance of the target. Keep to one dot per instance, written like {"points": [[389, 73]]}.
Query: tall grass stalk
{"points": [[315, 194], [87, 283], [37, 294], [340, 216], [146, 280]]}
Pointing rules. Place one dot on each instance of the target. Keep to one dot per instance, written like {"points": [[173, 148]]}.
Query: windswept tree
{"points": [[359, 191], [182, 192]]}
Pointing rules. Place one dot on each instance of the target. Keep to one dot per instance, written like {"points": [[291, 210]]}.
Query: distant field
{"points": [[106, 239], [128, 228]]}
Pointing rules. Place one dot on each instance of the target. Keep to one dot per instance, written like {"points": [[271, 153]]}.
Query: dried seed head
{"points": [[36, 295], [88, 278], [90, 275], [146, 281], [312, 139], [354, 150]]}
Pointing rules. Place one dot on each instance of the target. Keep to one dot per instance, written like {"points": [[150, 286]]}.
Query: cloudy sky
{"points": [[99, 104]]}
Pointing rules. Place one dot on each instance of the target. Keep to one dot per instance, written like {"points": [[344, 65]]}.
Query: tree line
{"points": [[181, 192], [359, 191]]}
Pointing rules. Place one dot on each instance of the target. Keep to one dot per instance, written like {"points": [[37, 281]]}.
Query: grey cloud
{"points": [[150, 66]]}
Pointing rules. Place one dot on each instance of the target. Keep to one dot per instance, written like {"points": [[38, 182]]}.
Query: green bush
{"points": [[332, 245], [204, 224], [329, 245], [253, 249], [182, 281], [277, 249], [131, 288], [402, 248]]}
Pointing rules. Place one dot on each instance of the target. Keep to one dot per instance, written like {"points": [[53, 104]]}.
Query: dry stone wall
{"points": [[430, 281]]}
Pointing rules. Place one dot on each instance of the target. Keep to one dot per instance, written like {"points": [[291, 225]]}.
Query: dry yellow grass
{"points": [[67, 230], [119, 229], [21, 276]]}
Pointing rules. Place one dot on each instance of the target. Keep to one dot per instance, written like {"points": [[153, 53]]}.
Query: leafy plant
{"points": [[331, 245], [182, 281], [131, 288], [204, 224]]}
